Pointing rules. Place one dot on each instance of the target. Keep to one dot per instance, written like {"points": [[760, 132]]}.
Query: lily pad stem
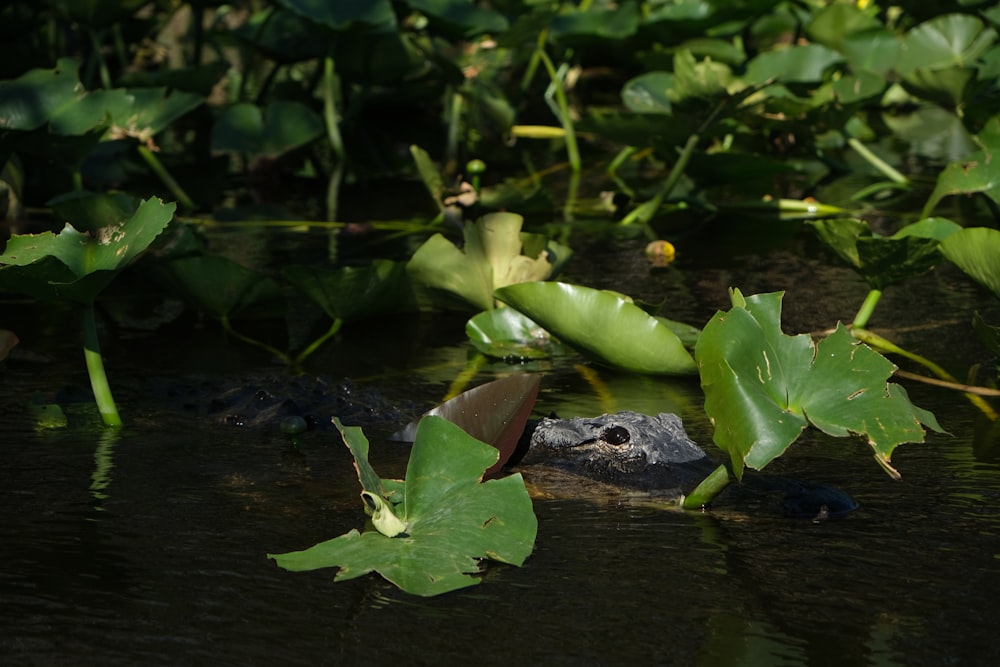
{"points": [[884, 345], [318, 343], [865, 312], [175, 188], [228, 327], [891, 173], [95, 368], [556, 89], [708, 489]]}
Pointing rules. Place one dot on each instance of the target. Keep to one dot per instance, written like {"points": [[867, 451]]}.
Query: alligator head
{"points": [[650, 453]]}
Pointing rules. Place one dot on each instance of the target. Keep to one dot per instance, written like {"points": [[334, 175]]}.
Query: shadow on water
{"points": [[148, 546]]}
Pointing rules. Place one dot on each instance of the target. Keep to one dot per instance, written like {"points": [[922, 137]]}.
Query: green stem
{"points": [[95, 367], [102, 65], [175, 188], [867, 308], [645, 212], [316, 344], [228, 327], [330, 116], [572, 150], [884, 345], [888, 170], [454, 127], [708, 489]]}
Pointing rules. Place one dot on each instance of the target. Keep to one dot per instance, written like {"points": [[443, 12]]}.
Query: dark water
{"points": [[148, 547]]}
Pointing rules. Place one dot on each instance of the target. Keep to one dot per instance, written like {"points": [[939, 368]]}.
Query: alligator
{"points": [[654, 455]]}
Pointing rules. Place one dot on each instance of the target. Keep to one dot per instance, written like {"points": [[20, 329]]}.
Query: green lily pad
{"points": [[354, 293], [979, 172], [450, 520], [283, 126], [885, 260], [604, 325], [491, 258], [763, 387], [217, 285], [506, 333], [976, 250], [78, 265]]}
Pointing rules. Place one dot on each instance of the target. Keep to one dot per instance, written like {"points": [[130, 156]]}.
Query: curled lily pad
{"points": [[448, 520], [604, 325], [491, 258]]}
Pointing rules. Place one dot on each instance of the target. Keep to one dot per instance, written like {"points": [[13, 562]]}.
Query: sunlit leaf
{"points": [[491, 258], [976, 250], [508, 333], [452, 520], [763, 387], [78, 265], [795, 64], [602, 324], [495, 413]]}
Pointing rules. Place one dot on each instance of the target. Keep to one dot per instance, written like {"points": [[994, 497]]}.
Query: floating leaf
{"points": [[976, 250], [603, 325], [762, 387], [506, 332], [451, 520]]}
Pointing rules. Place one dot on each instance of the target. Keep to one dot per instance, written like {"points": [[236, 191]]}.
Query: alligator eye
{"points": [[616, 435]]}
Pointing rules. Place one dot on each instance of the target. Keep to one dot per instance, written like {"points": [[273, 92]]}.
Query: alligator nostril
{"points": [[616, 435]]}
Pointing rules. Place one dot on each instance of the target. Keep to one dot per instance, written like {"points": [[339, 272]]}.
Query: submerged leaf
{"points": [[451, 520], [762, 387]]}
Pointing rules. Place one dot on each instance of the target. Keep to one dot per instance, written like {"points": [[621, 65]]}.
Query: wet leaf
{"points": [[762, 387], [506, 332], [976, 250], [451, 519], [603, 325]]}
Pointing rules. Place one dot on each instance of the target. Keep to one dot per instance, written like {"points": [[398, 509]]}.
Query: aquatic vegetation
{"points": [[102, 236], [432, 529]]}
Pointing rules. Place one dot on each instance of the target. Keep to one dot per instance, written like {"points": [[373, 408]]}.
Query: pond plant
{"points": [[686, 114]]}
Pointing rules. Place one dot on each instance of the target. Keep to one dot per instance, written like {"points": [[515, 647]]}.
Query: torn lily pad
{"points": [[431, 540]]}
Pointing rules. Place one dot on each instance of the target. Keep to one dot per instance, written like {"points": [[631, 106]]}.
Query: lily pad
{"points": [[495, 413], [604, 325], [491, 258], [217, 285], [283, 126], [353, 293], [882, 260], [507, 333], [78, 265], [763, 387], [450, 520], [976, 250]]}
